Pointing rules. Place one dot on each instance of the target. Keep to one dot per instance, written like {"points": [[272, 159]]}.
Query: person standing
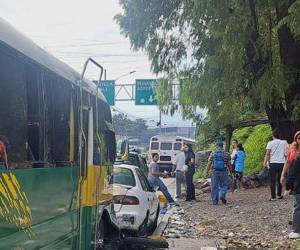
{"points": [[293, 185], [219, 163], [154, 179], [234, 143], [275, 157], [293, 152], [239, 159], [190, 162], [178, 169]]}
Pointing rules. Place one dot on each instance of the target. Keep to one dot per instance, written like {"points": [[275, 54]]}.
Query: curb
{"points": [[163, 223]]}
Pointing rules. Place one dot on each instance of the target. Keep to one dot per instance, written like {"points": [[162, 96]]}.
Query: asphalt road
{"points": [[183, 243]]}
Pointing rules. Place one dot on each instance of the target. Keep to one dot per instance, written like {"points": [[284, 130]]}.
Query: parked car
{"points": [[138, 160], [133, 156], [135, 202]]}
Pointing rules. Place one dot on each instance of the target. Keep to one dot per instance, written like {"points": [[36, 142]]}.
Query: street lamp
{"points": [[129, 73]]}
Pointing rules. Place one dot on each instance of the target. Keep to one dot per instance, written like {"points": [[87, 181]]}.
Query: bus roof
{"points": [[173, 138], [13, 38]]}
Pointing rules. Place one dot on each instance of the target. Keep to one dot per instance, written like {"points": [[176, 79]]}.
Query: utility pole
{"points": [[160, 121], [105, 74]]}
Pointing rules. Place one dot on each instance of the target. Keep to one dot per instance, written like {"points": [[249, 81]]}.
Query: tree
{"points": [[238, 58], [126, 127]]}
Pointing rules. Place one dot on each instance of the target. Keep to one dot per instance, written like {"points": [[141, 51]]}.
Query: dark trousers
{"points": [[296, 214], [190, 188], [275, 173]]}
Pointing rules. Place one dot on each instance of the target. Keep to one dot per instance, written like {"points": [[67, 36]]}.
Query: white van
{"points": [[167, 148]]}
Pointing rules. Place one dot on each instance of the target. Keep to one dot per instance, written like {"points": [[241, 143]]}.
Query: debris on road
{"points": [[249, 221]]}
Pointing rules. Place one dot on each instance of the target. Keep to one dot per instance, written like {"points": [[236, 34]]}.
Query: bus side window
{"points": [[110, 146], [96, 154]]}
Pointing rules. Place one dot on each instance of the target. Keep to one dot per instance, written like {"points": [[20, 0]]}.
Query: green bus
{"points": [[54, 193]]}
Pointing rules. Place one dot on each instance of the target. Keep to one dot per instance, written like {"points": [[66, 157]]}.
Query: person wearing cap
{"points": [[219, 164]]}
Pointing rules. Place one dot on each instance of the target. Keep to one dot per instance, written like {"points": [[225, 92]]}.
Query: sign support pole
{"points": [[159, 121]]}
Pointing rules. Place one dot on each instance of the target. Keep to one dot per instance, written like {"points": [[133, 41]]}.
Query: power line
{"points": [[119, 61], [82, 45], [82, 54]]}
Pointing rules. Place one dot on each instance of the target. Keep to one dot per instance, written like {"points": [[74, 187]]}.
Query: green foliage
{"points": [[200, 173], [242, 134], [126, 127], [255, 147], [293, 19], [232, 55]]}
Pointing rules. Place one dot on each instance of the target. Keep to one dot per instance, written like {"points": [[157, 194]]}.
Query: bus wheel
{"points": [[100, 237], [105, 243]]}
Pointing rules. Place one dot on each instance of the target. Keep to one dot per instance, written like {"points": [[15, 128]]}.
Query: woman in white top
{"points": [[275, 157]]}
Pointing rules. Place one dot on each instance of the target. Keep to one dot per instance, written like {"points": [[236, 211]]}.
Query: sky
{"points": [[73, 30]]}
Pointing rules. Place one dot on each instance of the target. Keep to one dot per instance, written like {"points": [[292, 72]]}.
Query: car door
{"points": [[151, 195]]}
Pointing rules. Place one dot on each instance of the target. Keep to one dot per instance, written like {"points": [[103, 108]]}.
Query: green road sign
{"points": [[108, 90], [144, 92]]}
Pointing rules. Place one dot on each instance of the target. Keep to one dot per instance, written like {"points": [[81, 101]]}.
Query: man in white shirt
{"points": [[275, 157], [178, 168]]}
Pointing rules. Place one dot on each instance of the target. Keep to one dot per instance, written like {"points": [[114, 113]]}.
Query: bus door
{"points": [[86, 159]]}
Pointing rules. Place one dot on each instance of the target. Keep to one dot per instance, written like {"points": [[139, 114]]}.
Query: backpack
{"points": [[219, 160]]}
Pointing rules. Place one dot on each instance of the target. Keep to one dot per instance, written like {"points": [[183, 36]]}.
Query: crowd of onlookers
{"points": [[282, 160]]}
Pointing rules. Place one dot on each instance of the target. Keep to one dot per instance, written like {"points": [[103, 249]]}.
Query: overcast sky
{"points": [[74, 30]]}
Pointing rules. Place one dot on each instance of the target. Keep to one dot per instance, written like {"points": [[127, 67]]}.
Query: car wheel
{"points": [[144, 229], [154, 225]]}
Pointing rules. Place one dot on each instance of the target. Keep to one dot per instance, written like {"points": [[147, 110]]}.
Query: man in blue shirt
{"points": [[154, 179], [219, 162]]}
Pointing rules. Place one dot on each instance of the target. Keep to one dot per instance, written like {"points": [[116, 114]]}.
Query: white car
{"points": [[135, 202]]}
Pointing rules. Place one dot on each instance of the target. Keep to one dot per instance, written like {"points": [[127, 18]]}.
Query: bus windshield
{"points": [[166, 146], [154, 145]]}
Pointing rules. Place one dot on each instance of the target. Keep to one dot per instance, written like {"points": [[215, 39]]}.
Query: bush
{"points": [[242, 134], [255, 147], [200, 173]]}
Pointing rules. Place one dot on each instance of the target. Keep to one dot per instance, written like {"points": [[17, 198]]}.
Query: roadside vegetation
{"points": [[254, 140], [236, 60]]}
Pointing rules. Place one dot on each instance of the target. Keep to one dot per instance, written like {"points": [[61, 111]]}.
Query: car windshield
{"points": [[123, 176]]}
